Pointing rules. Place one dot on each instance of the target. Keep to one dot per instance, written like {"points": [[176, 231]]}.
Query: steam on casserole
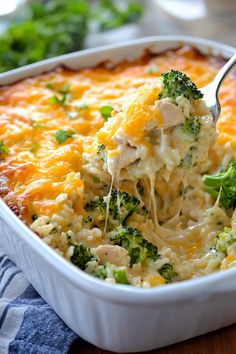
{"points": [[106, 166]]}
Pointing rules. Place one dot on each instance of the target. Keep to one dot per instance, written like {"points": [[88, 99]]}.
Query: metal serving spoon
{"points": [[211, 91]]}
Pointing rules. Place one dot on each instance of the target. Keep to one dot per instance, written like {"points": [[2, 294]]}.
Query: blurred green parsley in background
{"points": [[55, 27]]}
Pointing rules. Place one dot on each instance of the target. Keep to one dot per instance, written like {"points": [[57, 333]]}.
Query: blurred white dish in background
{"points": [[184, 9], [128, 31], [11, 10], [8, 7]]}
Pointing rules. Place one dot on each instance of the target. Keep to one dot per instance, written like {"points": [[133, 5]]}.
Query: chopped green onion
{"points": [[62, 135], [34, 147], [50, 86], [62, 101], [65, 89], [54, 99], [66, 95], [4, 148], [106, 112]]}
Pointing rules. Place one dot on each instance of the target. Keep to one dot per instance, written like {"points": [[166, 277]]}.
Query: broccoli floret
{"points": [[97, 210], [121, 206], [223, 183], [95, 269], [85, 260], [192, 127], [167, 272], [225, 239], [131, 239], [175, 83], [81, 256], [120, 276], [101, 272]]}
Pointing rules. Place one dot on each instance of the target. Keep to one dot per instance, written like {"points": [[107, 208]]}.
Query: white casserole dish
{"points": [[118, 317]]}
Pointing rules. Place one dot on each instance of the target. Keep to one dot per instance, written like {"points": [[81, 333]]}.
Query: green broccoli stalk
{"points": [[167, 272], [225, 239], [81, 256], [121, 206], [175, 84], [224, 183], [120, 276], [131, 239]]}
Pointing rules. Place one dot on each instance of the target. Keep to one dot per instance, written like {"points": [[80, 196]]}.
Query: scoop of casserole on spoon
{"points": [[211, 91]]}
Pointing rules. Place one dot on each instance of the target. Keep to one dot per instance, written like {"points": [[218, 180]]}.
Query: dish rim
{"points": [[176, 292]]}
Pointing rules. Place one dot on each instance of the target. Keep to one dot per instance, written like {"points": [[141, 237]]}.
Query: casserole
{"points": [[113, 318]]}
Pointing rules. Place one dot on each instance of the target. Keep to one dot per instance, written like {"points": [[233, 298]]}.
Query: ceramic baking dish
{"points": [[119, 318]]}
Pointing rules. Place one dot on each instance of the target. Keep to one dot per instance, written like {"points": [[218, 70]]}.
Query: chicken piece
{"points": [[127, 157], [172, 114], [113, 254]]}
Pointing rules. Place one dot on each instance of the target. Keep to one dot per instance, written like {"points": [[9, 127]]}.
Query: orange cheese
{"points": [[155, 280], [227, 262]]}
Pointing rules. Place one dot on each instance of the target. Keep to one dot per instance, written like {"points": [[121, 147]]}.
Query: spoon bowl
{"points": [[211, 91]]}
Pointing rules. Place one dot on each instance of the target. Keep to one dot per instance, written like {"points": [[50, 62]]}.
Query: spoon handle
{"points": [[223, 72]]}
